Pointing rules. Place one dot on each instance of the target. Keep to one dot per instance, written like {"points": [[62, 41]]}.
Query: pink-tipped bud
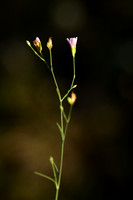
{"points": [[49, 43], [37, 44], [71, 100]]}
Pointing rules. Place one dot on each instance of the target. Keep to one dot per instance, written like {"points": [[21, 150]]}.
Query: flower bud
{"points": [[49, 43], [51, 159], [37, 44], [71, 100], [28, 43]]}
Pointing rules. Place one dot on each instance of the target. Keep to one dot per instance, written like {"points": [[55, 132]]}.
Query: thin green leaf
{"points": [[56, 167], [53, 168], [60, 129], [44, 176]]}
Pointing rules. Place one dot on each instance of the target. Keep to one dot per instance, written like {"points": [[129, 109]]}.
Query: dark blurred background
{"points": [[98, 153]]}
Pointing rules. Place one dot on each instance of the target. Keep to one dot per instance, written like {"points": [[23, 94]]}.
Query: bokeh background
{"points": [[98, 153]]}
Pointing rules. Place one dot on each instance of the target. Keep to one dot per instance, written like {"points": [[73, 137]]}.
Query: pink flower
{"points": [[37, 43], [73, 43]]}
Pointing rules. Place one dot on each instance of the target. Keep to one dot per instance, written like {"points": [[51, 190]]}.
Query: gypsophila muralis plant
{"points": [[64, 119]]}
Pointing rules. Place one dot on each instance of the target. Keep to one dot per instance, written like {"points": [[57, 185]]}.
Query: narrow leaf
{"points": [[44, 176], [60, 129], [56, 167], [53, 168]]}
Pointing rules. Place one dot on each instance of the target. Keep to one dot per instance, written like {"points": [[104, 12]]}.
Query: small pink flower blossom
{"points": [[73, 43], [36, 41], [38, 44]]}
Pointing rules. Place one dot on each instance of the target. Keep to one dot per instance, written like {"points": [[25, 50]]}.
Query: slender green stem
{"points": [[61, 114], [61, 126], [60, 171], [62, 153], [64, 121], [52, 71], [73, 72], [72, 84], [68, 93], [51, 63], [68, 120], [41, 57]]}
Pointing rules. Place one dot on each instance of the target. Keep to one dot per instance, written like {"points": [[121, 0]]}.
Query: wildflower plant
{"points": [[64, 119]]}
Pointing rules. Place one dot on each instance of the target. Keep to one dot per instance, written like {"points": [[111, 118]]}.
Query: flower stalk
{"points": [[64, 119]]}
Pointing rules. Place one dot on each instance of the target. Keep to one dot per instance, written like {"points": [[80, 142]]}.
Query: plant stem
{"points": [[57, 88], [64, 121], [41, 57], [62, 141], [61, 156], [58, 180], [62, 152], [73, 72], [60, 171], [68, 120], [71, 87]]}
